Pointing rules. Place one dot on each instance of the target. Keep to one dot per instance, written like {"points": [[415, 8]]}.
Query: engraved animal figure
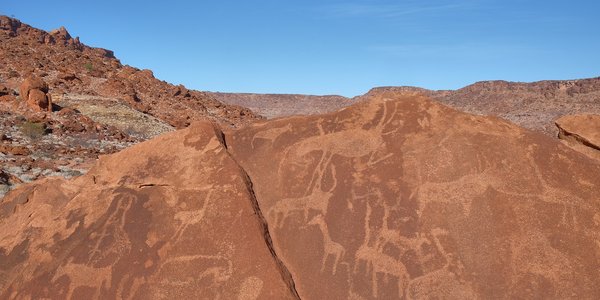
{"points": [[350, 143], [329, 247], [87, 276], [191, 217], [271, 134], [218, 274], [317, 200], [378, 262]]}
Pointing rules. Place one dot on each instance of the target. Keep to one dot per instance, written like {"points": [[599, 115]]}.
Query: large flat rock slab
{"points": [[173, 218], [401, 197]]}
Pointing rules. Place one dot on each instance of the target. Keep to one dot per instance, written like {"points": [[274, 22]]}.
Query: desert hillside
{"points": [[62, 104]]}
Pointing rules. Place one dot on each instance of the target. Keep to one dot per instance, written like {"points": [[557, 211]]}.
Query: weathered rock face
{"points": [[34, 91], [396, 197], [173, 218], [408, 198], [581, 132]]}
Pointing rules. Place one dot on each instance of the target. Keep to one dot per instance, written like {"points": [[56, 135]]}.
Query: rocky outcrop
{"points": [[171, 218], [582, 132], [57, 57], [99, 105], [401, 197], [395, 197], [34, 91]]}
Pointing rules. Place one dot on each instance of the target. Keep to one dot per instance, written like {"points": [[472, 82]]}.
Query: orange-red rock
{"points": [[173, 218], [582, 132], [396, 197], [14, 150], [32, 83], [401, 197], [38, 100]]}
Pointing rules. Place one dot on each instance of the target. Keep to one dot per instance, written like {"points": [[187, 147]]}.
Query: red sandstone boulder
{"points": [[38, 100], [34, 91], [32, 83], [401, 197]]}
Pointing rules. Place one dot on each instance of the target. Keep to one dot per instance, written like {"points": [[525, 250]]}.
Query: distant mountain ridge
{"points": [[534, 105]]}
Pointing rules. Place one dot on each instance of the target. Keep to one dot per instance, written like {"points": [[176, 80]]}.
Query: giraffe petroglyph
{"points": [[271, 134], [191, 217], [377, 262], [329, 246], [318, 200]]}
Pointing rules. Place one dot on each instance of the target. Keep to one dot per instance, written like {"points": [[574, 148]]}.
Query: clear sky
{"points": [[334, 47]]}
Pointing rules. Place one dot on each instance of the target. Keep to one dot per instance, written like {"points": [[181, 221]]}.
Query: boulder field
{"points": [[394, 197]]}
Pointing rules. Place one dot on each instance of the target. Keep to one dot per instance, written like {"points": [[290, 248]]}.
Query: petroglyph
{"points": [[330, 248], [221, 272], [80, 275], [271, 134], [317, 200], [191, 217], [251, 288], [376, 262], [351, 143]]}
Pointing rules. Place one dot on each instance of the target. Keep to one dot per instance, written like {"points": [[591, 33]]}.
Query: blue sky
{"points": [[334, 47]]}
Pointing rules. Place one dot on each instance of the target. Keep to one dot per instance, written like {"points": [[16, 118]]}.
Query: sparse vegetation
{"points": [[89, 67], [33, 130]]}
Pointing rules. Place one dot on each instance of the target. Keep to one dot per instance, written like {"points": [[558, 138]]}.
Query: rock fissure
{"points": [[286, 275], [565, 135], [143, 185]]}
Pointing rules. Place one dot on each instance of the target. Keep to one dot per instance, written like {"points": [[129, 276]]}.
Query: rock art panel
{"points": [[402, 197], [397, 197], [160, 220]]}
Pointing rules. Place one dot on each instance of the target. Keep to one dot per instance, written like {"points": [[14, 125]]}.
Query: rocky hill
{"points": [[533, 105], [63, 103], [281, 105], [397, 196]]}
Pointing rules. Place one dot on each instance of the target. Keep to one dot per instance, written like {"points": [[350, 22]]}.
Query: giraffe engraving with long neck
{"points": [[377, 262], [329, 246], [318, 200]]}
